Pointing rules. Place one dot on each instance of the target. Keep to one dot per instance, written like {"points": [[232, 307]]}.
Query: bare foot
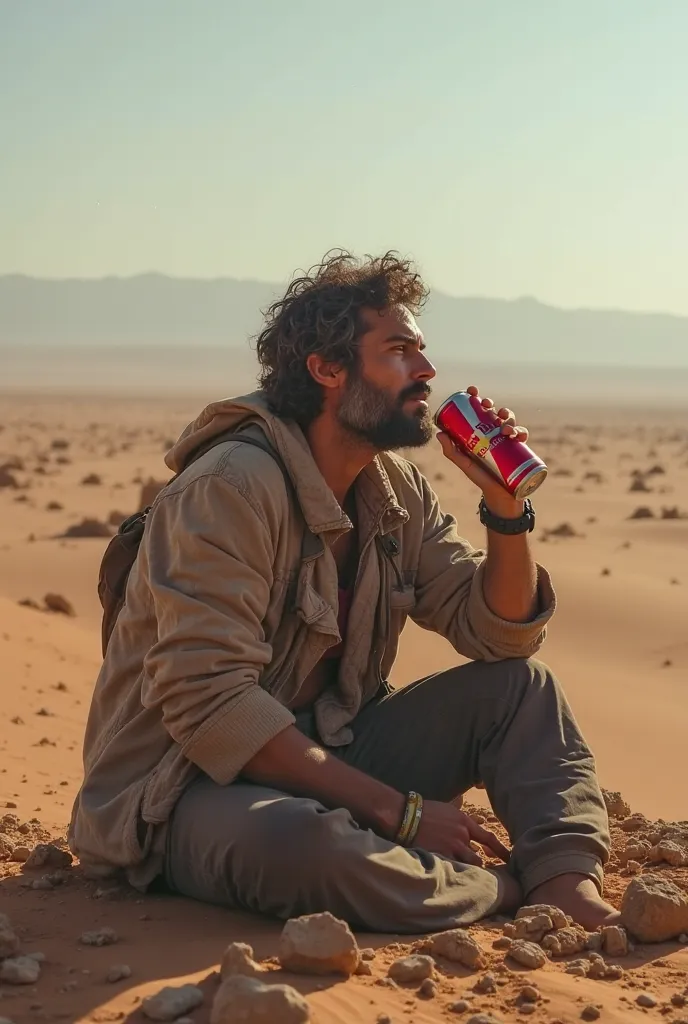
{"points": [[577, 896]]}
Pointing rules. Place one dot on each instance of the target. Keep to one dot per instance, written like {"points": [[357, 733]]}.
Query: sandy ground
{"points": [[618, 643]]}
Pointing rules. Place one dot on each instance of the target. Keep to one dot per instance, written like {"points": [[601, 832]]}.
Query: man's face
{"points": [[383, 399]]}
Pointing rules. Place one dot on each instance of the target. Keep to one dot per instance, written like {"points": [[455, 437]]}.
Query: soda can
{"points": [[512, 462]]}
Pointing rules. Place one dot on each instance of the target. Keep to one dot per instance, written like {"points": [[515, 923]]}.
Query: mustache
{"points": [[422, 391]]}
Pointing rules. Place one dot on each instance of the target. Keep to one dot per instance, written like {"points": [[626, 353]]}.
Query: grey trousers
{"points": [[506, 724]]}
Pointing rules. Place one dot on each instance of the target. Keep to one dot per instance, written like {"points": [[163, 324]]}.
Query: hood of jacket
{"points": [[319, 506]]}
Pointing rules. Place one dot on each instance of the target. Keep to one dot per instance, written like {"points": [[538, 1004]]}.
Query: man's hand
{"points": [[446, 830], [497, 498]]}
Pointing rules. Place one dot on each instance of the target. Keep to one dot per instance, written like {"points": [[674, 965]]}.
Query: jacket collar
{"points": [[321, 510]]}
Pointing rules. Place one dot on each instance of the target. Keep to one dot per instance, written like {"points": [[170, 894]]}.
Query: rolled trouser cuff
{"points": [[562, 864]]}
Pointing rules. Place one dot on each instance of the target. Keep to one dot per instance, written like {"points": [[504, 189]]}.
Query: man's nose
{"points": [[425, 370]]}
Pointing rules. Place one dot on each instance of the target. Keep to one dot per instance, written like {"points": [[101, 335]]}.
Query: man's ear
{"points": [[329, 375]]}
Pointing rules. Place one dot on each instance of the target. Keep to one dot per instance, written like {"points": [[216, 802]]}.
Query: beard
{"points": [[372, 415]]}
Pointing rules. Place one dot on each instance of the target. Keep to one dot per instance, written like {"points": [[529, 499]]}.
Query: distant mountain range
{"points": [[152, 310]]}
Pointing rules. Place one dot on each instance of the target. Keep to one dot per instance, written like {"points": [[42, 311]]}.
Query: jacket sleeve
{"points": [[210, 555], [450, 599]]}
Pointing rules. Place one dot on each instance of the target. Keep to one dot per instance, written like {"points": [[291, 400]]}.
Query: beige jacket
{"points": [[228, 610]]}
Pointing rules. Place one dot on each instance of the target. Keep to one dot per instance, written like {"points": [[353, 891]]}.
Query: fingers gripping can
{"points": [[469, 426]]}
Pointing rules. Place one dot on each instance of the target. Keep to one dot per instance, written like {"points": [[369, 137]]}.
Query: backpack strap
{"points": [[311, 545]]}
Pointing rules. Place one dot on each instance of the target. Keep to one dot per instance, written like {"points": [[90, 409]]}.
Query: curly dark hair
{"points": [[321, 312]]}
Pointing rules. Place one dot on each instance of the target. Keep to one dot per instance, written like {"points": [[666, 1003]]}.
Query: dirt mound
{"points": [[88, 528]]}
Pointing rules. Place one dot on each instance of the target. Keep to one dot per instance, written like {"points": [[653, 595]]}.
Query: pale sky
{"points": [[512, 147]]}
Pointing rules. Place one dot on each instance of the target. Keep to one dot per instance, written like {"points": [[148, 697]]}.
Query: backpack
{"points": [[122, 550]]}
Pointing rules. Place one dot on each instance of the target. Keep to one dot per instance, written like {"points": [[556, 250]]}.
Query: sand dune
{"points": [[618, 643]]}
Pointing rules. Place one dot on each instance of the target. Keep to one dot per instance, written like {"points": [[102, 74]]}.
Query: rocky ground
{"points": [[70, 470], [539, 965]]}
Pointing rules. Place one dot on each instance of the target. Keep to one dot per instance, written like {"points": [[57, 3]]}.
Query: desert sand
{"points": [[619, 644]]}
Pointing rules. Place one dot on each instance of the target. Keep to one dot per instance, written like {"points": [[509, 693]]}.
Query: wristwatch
{"points": [[509, 527]]}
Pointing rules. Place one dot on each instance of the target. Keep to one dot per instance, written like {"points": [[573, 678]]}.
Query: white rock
{"points": [[118, 972], [242, 1000], [411, 969], [459, 946], [170, 1003], [653, 909], [318, 944], [238, 959], [9, 941], [556, 915], [614, 940], [565, 941], [99, 937], [20, 970], [528, 954]]}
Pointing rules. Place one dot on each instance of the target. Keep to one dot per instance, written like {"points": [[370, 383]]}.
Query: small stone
{"points": [[21, 854], [637, 849], [9, 941], [613, 972], [238, 959], [484, 1018], [683, 938], [594, 942], [634, 867], [486, 984], [503, 942], [565, 941], [614, 940], [646, 1000], [458, 946], [40, 958], [100, 937], [318, 944], [678, 999], [460, 1006], [251, 1001], [118, 972], [590, 1013], [527, 1008], [411, 969], [42, 883], [578, 968], [20, 970], [667, 852], [170, 1003], [383, 1018], [653, 909], [530, 994], [556, 915], [6, 848], [528, 954], [634, 823], [368, 954], [364, 968], [428, 989], [48, 855]]}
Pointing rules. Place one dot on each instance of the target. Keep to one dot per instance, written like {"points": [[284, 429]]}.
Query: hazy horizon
{"points": [[511, 150]]}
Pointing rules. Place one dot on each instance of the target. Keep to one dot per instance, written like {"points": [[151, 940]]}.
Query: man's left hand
{"points": [[497, 498]]}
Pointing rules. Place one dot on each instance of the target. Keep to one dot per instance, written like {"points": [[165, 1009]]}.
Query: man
{"points": [[243, 745]]}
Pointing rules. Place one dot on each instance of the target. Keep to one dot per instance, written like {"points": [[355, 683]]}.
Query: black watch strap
{"points": [[509, 527]]}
